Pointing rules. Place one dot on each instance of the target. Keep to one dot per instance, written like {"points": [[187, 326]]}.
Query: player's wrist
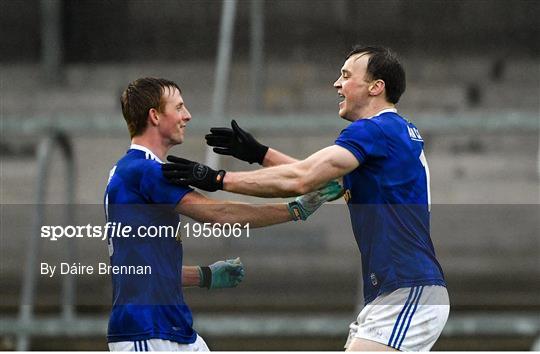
{"points": [[185, 172], [296, 211], [305, 205], [220, 177], [228, 180], [260, 152], [205, 277], [206, 178], [271, 158]]}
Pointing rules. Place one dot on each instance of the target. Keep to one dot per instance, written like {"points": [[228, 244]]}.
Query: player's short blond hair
{"points": [[139, 97]]}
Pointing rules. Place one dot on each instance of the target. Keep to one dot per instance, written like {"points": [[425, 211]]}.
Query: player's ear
{"points": [[376, 87], [153, 116]]}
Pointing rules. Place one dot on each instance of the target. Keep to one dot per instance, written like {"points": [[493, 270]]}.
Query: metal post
{"points": [[538, 156], [256, 54], [68, 281], [44, 154], [222, 72], [51, 40]]}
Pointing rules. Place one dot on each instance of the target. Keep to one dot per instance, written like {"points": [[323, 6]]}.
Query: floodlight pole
{"points": [[51, 41], [538, 158], [223, 69], [256, 54]]}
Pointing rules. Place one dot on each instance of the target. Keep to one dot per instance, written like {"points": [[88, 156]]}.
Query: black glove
{"points": [[184, 172], [236, 142]]}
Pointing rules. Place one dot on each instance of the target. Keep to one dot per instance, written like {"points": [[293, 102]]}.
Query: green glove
{"points": [[305, 205], [222, 274]]}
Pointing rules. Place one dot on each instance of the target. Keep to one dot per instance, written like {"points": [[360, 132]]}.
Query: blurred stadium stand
{"points": [[473, 89]]}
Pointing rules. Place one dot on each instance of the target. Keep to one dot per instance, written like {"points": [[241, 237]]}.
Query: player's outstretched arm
{"points": [[203, 209], [221, 274], [280, 181], [297, 178], [239, 143]]}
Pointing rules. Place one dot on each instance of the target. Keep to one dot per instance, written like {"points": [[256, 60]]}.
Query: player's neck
{"points": [[374, 108], [153, 145]]}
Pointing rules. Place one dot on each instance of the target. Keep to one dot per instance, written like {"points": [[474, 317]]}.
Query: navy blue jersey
{"points": [[389, 203], [151, 305]]}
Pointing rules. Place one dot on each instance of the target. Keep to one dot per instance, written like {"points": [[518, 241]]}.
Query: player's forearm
{"points": [[206, 210], [273, 182], [190, 276], [257, 215], [276, 158]]}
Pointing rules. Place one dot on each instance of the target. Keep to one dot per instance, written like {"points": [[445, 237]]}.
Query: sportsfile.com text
{"points": [[113, 229]]}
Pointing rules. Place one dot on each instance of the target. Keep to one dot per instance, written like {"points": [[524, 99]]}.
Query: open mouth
{"points": [[341, 98]]}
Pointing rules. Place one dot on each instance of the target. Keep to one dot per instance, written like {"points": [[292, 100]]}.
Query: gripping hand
{"points": [[236, 142], [185, 172], [222, 274], [305, 205]]}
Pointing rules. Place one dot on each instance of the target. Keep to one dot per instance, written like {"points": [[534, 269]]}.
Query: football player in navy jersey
{"points": [[149, 312], [381, 159]]}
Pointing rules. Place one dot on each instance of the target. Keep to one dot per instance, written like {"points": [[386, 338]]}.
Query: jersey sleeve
{"points": [[363, 139], [157, 189]]}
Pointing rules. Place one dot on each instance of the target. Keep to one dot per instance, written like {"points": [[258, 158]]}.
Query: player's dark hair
{"points": [[139, 97], [383, 64]]}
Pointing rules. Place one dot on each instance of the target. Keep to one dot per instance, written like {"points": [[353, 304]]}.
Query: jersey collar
{"points": [[146, 150], [387, 110]]}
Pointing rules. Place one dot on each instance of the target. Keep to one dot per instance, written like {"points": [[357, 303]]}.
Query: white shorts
{"points": [[158, 345], [407, 319]]}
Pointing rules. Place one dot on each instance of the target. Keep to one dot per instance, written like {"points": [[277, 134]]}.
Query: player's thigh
{"points": [[121, 346], [408, 319], [366, 345], [198, 346], [152, 345]]}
